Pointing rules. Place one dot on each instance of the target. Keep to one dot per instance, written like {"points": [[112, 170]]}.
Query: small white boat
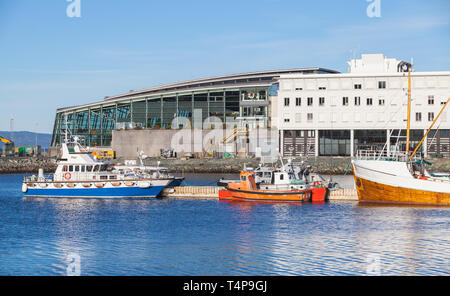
{"points": [[79, 175], [145, 172]]}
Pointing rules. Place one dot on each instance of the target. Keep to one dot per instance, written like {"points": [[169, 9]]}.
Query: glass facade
{"points": [[369, 139], [94, 124], [334, 143], [414, 139]]}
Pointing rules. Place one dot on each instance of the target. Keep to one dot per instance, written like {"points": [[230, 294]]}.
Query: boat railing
{"points": [[36, 178], [385, 155]]}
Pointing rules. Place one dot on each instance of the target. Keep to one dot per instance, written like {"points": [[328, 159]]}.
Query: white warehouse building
{"points": [[337, 114]]}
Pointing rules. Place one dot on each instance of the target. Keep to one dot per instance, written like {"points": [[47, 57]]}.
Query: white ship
{"points": [[79, 175]]}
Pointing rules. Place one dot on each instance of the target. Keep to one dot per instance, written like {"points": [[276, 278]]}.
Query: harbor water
{"points": [[210, 237]]}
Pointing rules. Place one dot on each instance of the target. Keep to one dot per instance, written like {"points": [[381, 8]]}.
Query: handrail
{"points": [[380, 155]]}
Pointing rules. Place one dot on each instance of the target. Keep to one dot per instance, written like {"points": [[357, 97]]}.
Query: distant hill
{"points": [[27, 139]]}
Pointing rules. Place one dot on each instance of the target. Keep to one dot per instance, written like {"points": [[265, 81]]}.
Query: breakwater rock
{"points": [[223, 166], [321, 165], [26, 165]]}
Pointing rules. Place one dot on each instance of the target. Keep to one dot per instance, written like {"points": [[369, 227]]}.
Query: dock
{"points": [[212, 193]]}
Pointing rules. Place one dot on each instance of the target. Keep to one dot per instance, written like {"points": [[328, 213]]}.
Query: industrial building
{"points": [[317, 111], [335, 115], [231, 97]]}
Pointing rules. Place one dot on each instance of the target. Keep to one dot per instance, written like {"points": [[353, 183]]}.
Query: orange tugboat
{"points": [[247, 190], [290, 178]]}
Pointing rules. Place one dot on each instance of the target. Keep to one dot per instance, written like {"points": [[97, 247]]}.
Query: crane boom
{"points": [[5, 140]]}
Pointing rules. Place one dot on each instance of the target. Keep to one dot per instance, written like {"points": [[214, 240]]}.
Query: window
{"points": [[310, 101], [418, 116], [322, 87], [345, 101], [298, 117], [357, 101], [77, 168], [287, 120], [83, 168], [430, 116], [381, 102], [298, 101], [214, 97], [65, 168], [357, 86], [281, 176], [321, 101], [286, 101], [431, 100], [298, 88], [335, 142], [70, 168], [310, 117], [381, 84], [369, 101], [88, 168]]}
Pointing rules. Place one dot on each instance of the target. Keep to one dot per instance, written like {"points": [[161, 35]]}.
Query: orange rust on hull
{"points": [[369, 191]]}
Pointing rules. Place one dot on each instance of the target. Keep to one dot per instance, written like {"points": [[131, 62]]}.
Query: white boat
{"points": [[130, 167], [294, 174], [79, 175], [399, 177]]}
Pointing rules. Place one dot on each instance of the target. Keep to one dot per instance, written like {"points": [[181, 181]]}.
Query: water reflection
{"points": [[191, 237]]}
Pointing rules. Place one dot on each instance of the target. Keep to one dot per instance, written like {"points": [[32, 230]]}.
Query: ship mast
{"points": [[408, 118], [65, 132]]}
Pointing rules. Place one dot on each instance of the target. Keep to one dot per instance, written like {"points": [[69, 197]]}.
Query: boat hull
{"points": [[225, 195], [379, 192], [258, 195], [319, 194], [113, 192]]}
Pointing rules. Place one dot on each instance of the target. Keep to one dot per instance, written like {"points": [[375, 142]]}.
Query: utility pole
{"points": [[11, 128], [36, 134]]}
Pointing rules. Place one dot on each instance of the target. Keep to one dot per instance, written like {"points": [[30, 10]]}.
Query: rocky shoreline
{"points": [[26, 165], [321, 165]]}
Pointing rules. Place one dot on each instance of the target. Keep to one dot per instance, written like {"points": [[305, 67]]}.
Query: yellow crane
{"points": [[5, 140], [8, 150]]}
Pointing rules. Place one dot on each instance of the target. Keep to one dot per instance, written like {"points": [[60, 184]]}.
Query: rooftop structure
{"points": [[377, 63]]}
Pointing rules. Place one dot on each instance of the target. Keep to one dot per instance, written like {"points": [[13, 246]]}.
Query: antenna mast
{"points": [[65, 133], [408, 119], [11, 128]]}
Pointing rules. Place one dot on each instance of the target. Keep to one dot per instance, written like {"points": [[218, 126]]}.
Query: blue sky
{"points": [[48, 60]]}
